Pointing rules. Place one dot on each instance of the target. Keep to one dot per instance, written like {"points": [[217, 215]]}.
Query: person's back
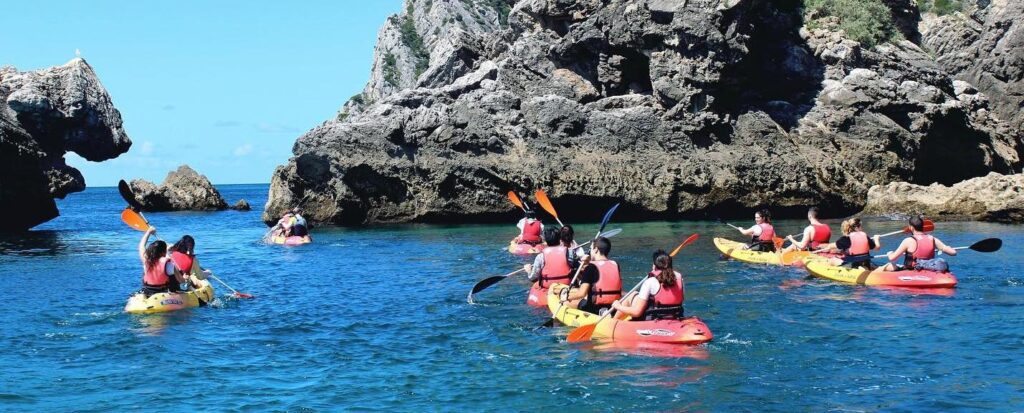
{"points": [[918, 247], [551, 265], [661, 294]]}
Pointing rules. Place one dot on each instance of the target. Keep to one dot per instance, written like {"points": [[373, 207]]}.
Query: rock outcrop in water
{"points": [[994, 197], [43, 115], [673, 107], [183, 190]]}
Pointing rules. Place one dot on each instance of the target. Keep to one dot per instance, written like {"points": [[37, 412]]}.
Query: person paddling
{"points": [[530, 229], [183, 255], [661, 295], [855, 245], [159, 273], [599, 283], [552, 264], [762, 233], [918, 246], [815, 236], [299, 228]]}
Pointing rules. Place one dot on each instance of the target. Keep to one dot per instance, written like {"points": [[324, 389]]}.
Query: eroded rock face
{"points": [[675, 108], [43, 115], [184, 189], [994, 197]]}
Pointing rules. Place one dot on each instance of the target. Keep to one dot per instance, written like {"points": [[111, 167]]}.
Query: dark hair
{"points": [[657, 254], [567, 235], [917, 223], [765, 215], [813, 211], [186, 245], [551, 236], [603, 244], [663, 263], [531, 214], [154, 252]]}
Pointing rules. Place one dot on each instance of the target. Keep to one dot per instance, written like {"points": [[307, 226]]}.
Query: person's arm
{"points": [[534, 270], [579, 293], [943, 247], [806, 239], [752, 231], [588, 276], [902, 249], [875, 242], [636, 308], [143, 241]]}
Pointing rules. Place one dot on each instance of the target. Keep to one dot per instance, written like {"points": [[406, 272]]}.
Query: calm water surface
{"points": [[375, 319]]}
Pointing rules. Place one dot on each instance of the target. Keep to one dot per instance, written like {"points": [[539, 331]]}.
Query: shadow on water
{"points": [[32, 244]]}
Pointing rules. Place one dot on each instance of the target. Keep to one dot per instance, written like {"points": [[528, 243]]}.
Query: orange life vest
{"points": [[156, 276], [556, 266], [822, 235], [609, 283], [531, 232], [859, 243], [925, 250], [182, 261]]}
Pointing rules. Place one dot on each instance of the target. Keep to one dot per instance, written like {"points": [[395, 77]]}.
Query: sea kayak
{"points": [[537, 297], [861, 276], [293, 240], [736, 251], [690, 330], [164, 302], [523, 249]]}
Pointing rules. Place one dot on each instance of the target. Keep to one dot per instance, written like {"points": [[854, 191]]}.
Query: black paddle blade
{"points": [[607, 217], [549, 323], [988, 245], [128, 195], [487, 282]]}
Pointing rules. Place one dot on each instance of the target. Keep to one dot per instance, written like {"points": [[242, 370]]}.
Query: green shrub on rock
{"points": [[869, 22]]}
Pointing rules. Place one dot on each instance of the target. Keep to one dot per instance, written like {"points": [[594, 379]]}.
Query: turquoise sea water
{"points": [[373, 319]]}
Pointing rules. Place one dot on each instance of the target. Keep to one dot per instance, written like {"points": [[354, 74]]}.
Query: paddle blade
{"points": [[689, 240], [792, 257], [515, 200], [607, 217], [581, 333], [126, 192], [611, 233], [486, 283], [243, 295], [133, 219], [545, 202], [549, 323], [778, 242], [988, 245], [929, 226]]}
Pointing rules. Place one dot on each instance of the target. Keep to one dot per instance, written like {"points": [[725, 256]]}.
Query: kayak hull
{"points": [[737, 251], [689, 330], [537, 297], [860, 276], [522, 249], [165, 302], [293, 240]]}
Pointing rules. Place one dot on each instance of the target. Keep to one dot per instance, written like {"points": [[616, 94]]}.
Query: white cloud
{"points": [[244, 150], [146, 148]]}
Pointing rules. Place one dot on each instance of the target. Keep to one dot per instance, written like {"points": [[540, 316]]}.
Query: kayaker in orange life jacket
{"points": [[183, 255], [599, 282], [918, 246], [555, 263], [530, 229], [660, 296], [855, 245], [815, 236], [762, 233], [158, 271]]}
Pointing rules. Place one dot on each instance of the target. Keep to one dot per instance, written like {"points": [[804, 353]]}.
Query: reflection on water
{"points": [[156, 324], [32, 244]]}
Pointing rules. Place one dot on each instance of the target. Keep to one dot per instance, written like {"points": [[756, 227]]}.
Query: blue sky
{"points": [[224, 86]]}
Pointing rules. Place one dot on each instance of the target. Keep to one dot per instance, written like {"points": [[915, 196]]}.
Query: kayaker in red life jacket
{"points": [[158, 271], [555, 263], [815, 236], [855, 245], [918, 246], [599, 283], [661, 295], [183, 255], [530, 229], [762, 233]]}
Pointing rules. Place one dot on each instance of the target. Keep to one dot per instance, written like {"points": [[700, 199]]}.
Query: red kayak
{"points": [[523, 249], [538, 297]]}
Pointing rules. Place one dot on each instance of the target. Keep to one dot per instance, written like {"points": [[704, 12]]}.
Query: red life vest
{"points": [[858, 243], [767, 232], [925, 250], [822, 235], [668, 296], [556, 266], [156, 276], [182, 261], [609, 283], [531, 232]]}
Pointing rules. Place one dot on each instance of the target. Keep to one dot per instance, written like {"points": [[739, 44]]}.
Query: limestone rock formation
{"points": [[675, 108], [43, 115], [184, 189], [994, 197], [241, 205]]}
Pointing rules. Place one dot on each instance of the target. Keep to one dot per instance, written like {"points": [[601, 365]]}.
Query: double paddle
{"points": [[585, 332], [985, 245]]}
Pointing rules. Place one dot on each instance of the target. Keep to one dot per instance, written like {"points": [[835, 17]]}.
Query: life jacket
{"points": [[767, 234], [668, 302], [156, 276], [182, 261], [556, 266], [858, 244], [531, 232], [609, 283], [822, 235], [925, 250]]}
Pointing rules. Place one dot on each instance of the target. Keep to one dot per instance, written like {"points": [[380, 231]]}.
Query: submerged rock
{"points": [[43, 115], [183, 190], [674, 108], [994, 197]]}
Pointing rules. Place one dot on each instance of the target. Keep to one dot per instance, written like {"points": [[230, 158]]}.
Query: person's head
{"points": [[566, 234], [186, 245], [154, 252], [851, 225], [531, 215], [917, 223], [551, 236], [602, 245], [663, 264], [762, 217], [812, 213]]}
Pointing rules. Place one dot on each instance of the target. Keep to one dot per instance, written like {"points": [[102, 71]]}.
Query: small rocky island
{"points": [[45, 114], [184, 189]]}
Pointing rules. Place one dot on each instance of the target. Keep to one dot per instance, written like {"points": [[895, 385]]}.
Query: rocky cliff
{"points": [[674, 107], [183, 189], [994, 197], [43, 115]]}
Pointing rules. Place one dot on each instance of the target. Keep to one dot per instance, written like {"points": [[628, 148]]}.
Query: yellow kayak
{"points": [[683, 331], [164, 302], [738, 252]]}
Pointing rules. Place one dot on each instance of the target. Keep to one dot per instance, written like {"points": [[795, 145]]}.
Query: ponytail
{"points": [[667, 276]]}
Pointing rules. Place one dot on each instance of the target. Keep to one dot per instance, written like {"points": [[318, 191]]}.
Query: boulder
{"points": [[184, 189], [241, 205], [994, 197]]}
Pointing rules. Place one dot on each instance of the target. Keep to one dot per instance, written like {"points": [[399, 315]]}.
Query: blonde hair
{"points": [[849, 225]]}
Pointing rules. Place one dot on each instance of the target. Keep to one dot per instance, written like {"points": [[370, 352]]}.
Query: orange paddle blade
{"points": [[542, 199], [929, 226], [790, 257], [689, 240], [515, 199], [134, 220], [778, 242], [581, 333]]}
